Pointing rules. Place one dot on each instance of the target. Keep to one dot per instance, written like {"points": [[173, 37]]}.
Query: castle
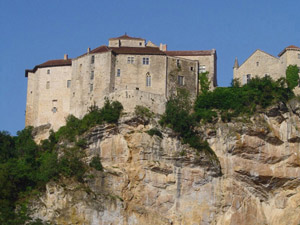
{"points": [[128, 70], [262, 64]]}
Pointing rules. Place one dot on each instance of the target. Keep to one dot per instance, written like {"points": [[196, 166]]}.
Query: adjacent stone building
{"points": [[128, 70], [262, 64]]}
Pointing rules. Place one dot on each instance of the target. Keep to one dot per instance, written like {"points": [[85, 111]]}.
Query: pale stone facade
{"points": [[127, 70], [262, 64]]}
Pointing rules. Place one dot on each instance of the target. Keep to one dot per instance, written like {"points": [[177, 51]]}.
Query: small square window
{"points": [[202, 69], [118, 72], [92, 59], [140, 43], [54, 110], [48, 85], [92, 75], [257, 63], [192, 68], [145, 61], [68, 83], [130, 60], [181, 80], [48, 71]]}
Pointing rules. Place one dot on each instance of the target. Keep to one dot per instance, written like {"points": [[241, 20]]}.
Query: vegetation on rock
{"points": [[26, 167], [292, 76], [235, 101]]}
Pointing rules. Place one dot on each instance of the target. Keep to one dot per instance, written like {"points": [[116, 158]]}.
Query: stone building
{"points": [[262, 64], [128, 70]]}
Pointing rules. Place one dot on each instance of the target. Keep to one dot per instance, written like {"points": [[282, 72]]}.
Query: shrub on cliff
{"points": [[292, 76], [110, 113], [234, 101], [178, 115]]}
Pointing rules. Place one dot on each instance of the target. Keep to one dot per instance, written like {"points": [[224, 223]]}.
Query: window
{"points": [[54, 110], [68, 83], [202, 69], [93, 59], [140, 43], [145, 61], [91, 87], [248, 78], [148, 80], [48, 71], [48, 85], [118, 72], [298, 56], [181, 80], [257, 63], [178, 63], [92, 75], [130, 60], [192, 68]]}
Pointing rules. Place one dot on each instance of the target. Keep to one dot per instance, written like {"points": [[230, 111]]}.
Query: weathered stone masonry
{"points": [[128, 70]]}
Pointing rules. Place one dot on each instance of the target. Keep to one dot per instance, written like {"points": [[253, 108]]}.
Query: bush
{"points": [[143, 112], [110, 113], [234, 101], [96, 163], [292, 76], [154, 131]]}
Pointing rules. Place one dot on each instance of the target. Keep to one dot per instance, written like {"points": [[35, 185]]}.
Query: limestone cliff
{"points": [[153, 180]]}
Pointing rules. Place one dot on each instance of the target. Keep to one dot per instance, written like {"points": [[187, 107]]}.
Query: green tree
{"points": [[292, 76]]}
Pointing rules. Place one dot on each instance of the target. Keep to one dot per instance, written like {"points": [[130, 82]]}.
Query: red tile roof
{"points": [[100, 49], [50, 63], [291, 47], [138, 50], [190, 53], [125, 36]]}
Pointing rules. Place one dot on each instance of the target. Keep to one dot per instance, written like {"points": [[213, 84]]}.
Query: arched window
{"points": [[148, 80]]}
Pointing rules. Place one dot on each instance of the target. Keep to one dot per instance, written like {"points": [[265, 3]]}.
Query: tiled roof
{"points": [[100, 49], [138, 50], [291, 47], [190, 53], [125, 36], [50, 63]]}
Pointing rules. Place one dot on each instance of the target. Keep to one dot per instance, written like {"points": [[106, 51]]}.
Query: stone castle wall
{"points": [[48, 96]]}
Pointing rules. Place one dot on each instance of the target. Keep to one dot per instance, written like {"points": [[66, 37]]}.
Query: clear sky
{"points": [[34, 31]]}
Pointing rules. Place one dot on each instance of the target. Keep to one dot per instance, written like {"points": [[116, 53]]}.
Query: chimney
{"points": [[65, 56], [88, 50], [163, 47]]}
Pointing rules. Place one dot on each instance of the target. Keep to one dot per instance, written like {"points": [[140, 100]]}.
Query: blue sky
{"points": [[34, 31]]}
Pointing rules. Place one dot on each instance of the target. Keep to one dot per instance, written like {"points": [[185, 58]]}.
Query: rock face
{"points": [[153, 180]]}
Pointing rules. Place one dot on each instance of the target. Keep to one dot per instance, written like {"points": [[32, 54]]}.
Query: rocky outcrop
{"points": [[153, 180]]}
